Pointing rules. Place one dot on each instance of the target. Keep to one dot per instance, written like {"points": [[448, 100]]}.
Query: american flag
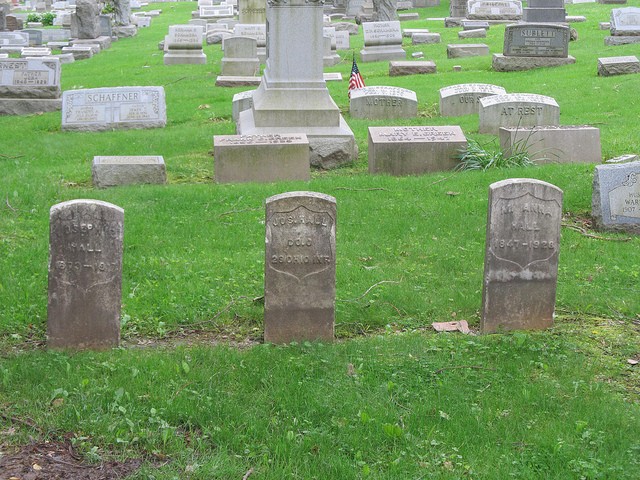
{"points": [[356, 80]]}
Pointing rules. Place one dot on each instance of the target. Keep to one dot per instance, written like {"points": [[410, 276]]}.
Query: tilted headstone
{"points": [[382, 41], [261, 158], [111, 171], [615, 204], [300, 267], [464, 99], [29, 85], [517, 110], [96, 109], [494, 10], [383, 102], [521, 255], [85, 274], [403, 151]]}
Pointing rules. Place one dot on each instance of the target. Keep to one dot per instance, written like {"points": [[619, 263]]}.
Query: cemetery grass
{"points": [[390, 399]]}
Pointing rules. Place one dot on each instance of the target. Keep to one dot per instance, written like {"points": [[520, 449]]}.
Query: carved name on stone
{"points": [[382, 102], [616, 197], [464, 99], [536, 40]]}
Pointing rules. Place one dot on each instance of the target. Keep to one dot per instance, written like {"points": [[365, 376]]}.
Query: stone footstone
{"points": [[261, 158], [405, 17], [401, 151], [425, 38], [621, 40], [85, 275], [111, 171], [300, 267], [399, 68], [609, 66], [563, 144], [79, 53], [237, 81], [615, 204], [477, 33], [521, 255], [500, 63], [103, 42], [408, 32], [467, 50]]}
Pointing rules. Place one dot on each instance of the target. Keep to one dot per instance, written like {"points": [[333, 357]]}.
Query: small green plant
{"points": [[477, 157], [47, 18], [109, 8], [33, 17]]}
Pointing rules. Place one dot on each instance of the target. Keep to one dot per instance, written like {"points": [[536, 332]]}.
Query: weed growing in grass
{"points": [[477, 157]]}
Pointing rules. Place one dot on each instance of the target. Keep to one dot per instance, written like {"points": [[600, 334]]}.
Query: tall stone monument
{"points": [[293, 96], [300, 267], [85, 23], [85, 274], [122, 19], [385, 10]]}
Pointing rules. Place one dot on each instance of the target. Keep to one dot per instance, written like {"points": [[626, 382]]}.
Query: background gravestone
{"points": [[521, 255], [300, 267], [615, 204], [85, 23], [385, 10], [85, 274]]}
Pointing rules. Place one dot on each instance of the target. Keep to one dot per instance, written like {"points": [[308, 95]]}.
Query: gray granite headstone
{"points": [[494, 9], [300, 267], [615, 204], [625, 21], [464, 99], [382, 102], [85, 274], [517, 110], [536, 40], [110, 171], [521, 255]]}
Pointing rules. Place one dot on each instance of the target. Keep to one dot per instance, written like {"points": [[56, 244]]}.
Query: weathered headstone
{"points": [[462, 50], [342, 40], [544, 11], [300, 267], [615, 204], [517, 110], [400, 151], [111, 171], [261, 158], [608, 66], [183, 45], [385, 10], [425, 38], [29, 85], [399, 68], [564, 144], [96, 109], [257, 31], [494, 10], [85, 22], [13, 23], [240, 57], [293, 95], [624, 26], [12, 42], [35, 36], [382, 41], [521, 255], [85, 274], [464, 99], [383, 102], [252, 11], [241, 101]]}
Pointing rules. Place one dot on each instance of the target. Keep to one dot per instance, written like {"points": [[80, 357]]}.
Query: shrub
{"points": [[477, 157], [47, 18]]}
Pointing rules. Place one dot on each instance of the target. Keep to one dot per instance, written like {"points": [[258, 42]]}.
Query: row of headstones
{"points": [[520, 269], [86, 245]]}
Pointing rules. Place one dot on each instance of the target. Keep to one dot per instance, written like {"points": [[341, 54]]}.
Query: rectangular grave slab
{"points": [[96, 109], [517, 110], [300, 267], [521, 255], [609, 66], [383, 103], [615, 204], [564, 144], [261, 158], [425, 38], [536, 40], [400, 68], [464, 99], [401, 151], [111, 171], [85, 275], [467, 50], [478, 33]]}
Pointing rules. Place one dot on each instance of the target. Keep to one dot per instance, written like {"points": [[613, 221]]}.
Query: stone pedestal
{"points": [[293, 96]]}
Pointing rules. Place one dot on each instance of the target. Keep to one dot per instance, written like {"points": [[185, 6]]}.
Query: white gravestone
{"points": [[464, 99], [517, 110], [382, 41], [183, 45], [383, 102], [29, 85]]}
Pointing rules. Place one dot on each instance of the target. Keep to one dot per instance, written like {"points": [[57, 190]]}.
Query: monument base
{"points": [[330, 147], [125, 31], [388, 52], [104, 42], [500, 63], [28, 106], [185, 57]]}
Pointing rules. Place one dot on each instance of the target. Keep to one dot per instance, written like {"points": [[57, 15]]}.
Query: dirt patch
{"points": [[57, 460]]}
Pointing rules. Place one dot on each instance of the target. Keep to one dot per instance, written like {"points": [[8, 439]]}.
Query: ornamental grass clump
{"points": [[477, 157]]}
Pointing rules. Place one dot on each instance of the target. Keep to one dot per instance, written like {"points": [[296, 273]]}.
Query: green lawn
{"points": [[390, 399]]}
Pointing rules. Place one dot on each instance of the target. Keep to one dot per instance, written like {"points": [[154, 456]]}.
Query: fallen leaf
{"points": [[459, 326], [58, 402], [631, 361], [453, 194], [36, 467]]}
